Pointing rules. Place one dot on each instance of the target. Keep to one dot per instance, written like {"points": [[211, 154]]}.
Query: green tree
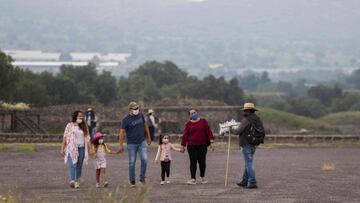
{"points": [[9, 76], [166, 73]]}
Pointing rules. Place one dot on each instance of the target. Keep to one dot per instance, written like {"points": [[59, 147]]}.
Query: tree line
{"points": [[150, 82]]}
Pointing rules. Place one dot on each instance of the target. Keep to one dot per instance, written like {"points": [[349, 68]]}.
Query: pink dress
{"points": [[100, 160]]}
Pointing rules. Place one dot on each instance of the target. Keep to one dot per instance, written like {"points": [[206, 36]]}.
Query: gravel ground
{"points": [[283, 174]]}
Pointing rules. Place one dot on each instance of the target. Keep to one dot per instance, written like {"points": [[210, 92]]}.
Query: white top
{"points": [[79, 137], [152, 120]]}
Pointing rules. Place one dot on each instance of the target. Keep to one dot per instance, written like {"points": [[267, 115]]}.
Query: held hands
{"points": [[148, 141], [182, 149], [121, 149]]}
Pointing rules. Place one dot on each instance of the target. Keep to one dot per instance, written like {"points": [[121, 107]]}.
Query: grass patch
{"points": [[294, 122], [342, 118], [17, 147]]}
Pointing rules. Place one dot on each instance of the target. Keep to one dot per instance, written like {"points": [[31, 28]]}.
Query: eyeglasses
{"points": [[135, 108]]}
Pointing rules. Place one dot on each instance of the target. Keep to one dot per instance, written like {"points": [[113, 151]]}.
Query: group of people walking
{"points": [[79, 143]]}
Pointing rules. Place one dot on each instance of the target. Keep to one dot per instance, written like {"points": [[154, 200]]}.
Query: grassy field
{"points": [[342, 118], [293, 121]]}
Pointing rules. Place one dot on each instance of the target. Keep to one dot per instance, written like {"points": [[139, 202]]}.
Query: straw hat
{"points": [[89, 109], [150, 111], [249, 106]]}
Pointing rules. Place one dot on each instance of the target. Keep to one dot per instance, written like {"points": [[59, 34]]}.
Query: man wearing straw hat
{"points": [[243, 130]]}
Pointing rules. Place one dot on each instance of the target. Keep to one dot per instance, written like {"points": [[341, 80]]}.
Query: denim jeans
{"points": [[75, 169], [133, 149], [249, 172]]}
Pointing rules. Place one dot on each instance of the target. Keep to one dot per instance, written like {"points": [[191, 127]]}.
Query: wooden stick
{"points": [[227, 160]]}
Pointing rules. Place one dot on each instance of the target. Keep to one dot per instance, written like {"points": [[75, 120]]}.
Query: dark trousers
{"points": [[165, 168], [197, 154], [152, 132]]}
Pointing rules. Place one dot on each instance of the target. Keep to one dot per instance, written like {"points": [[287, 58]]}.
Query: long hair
{"points": [[82, 125]]}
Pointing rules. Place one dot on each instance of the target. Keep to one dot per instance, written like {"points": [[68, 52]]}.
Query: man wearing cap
{"points": [[248, 179], [134, 127]]}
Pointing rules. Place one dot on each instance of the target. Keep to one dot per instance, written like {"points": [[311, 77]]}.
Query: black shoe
{"points": [[132, 184], [143, 181], [252, 187], [241, 184]]}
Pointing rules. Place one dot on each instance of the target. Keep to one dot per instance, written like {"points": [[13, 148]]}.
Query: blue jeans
{"points": [[249, 172], [75, 169], [133, 149]]}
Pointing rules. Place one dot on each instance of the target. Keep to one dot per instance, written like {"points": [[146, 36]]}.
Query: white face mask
{"points": [[79, 120], [101, 141], [165, 140], [135, 112]]}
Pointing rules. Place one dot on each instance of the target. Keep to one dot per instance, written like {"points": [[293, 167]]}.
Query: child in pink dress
{"points": [[164, 156], [100, 151]]}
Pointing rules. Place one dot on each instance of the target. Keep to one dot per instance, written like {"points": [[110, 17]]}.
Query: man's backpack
{"points": [[256, 134]]}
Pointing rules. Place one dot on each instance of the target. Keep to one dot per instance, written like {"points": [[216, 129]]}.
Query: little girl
{"points": [[164, 155], [100, 151]]}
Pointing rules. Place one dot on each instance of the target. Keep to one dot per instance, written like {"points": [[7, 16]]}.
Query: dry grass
{"points": [[328, 166]]}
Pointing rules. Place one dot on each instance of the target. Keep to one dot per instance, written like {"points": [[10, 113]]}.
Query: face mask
{"points": [[101, 141], [194, 116], [135, 112], [165, 140], [79, 121]]}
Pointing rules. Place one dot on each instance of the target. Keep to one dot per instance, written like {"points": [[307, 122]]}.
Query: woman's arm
{"points": [[66, 134], [209, 133]]}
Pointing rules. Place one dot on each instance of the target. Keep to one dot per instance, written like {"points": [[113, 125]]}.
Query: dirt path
{"points": [[284, 175]]}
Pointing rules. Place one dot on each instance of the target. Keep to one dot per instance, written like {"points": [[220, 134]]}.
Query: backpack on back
{"points": [[256, 133]]}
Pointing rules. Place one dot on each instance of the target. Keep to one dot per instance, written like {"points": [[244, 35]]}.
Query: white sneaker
{"points": [[72, 184], [191, 182], [77, 185], [162, 182], [203, 181], [168, 181], [106, 184], [97, 185]]}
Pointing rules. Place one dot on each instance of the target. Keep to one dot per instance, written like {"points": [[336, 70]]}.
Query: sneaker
{"points": [[97, 185], [77, 185], [242, 184], [252, 187], [162, 182], [132, 184], [168, 181], [203, 181], [72, 184], [191, 182], [142, 181], [106, 184]]}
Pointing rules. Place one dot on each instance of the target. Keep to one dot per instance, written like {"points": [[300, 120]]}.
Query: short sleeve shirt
{"points": [[134, 128]]}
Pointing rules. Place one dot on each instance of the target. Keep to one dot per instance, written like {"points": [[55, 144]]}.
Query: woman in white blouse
{"points": [[75, 147]]}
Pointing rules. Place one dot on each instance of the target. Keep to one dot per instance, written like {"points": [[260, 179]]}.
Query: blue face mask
{"points": [[194, 116]]}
